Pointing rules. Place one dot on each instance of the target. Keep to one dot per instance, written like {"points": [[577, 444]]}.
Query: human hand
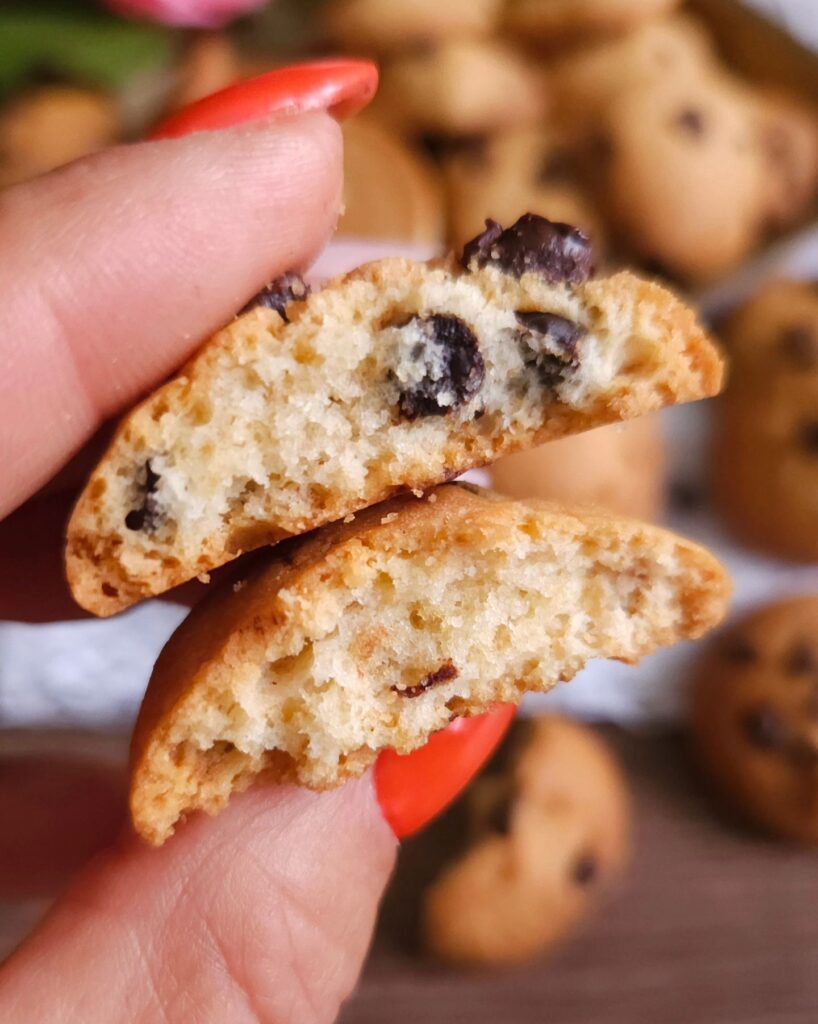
{"points": [[116, 267]]}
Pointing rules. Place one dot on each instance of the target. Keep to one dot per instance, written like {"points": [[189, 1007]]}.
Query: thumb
{"points": [[261, 915], [117, 266]]}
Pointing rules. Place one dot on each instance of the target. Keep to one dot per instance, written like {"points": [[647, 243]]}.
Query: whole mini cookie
{"points": [[521, 169], [461, 87], [682, 175], [765, 446], [620, 467], [549, 831], [386, 26], [390, 192], [754, 718], [552, 21], [585, 82], [376, 632]]}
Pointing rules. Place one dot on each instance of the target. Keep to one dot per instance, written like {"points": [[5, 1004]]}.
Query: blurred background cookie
{"points": [[587, 80], [388, 26], [550, 21], [50, 126], [209, 63], [509, 173], [765, 446], [754, 718], [620, 467], [390, 191], [682, 177], [788, 139], [461, 87], [549, 830]]}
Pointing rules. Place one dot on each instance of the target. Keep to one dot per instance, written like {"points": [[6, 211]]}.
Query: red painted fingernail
{"points": [[343, 87], [414, 788]]}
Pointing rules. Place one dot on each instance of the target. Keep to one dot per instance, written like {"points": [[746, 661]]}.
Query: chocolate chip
{"points": [[800, 660], [444, 674], [686, 496], [809, 436], [443, 369], [549, 345], [499, 818], [691, 120], [556, 166], [601, 149], [558, 252], [799, 345], [585, 869], [148, 516], [473, 147], [739, 651], [764, 728], [278, 294]]}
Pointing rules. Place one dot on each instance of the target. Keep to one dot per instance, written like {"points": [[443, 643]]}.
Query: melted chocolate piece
{"points": [[557, 166], [148, 516], [559, 253], [686, 496], [279, 293], [800, 660], [799, 346], [444, 674], [765, 729], [453, 367], [692, 121], [543, 334], [585, 869], [740, 651], [809, 437]]}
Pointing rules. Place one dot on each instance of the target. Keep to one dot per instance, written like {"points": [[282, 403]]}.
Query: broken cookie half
{"points": [[376, 633], [398, 376]]}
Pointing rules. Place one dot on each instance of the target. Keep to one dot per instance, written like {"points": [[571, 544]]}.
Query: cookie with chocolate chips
{"points": [[311, 406], [754, 718], [683, 180], [529, 168], [548, 827], [556, 22], [765, 450]]}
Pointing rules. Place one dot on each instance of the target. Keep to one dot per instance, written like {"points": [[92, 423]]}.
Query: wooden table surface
{"points": [[712, 924]]}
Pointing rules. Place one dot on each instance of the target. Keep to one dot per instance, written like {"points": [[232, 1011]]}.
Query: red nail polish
{"points": [[414, 788], [343, 87]]}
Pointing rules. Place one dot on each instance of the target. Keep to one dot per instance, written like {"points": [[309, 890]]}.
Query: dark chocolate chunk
{"points": [[765, 729], [453, 369], [799, 345], [740, 651], [558, 252], [686, 496], [800, 659], [279, 293], [499, 818], [809, 437], [549, 345], [148, 516], [585, 869], [556, 166], [473, 147], [444, 674], [691, 120]]}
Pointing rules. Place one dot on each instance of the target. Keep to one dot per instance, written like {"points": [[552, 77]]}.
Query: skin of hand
{"points": [[116, 267]]}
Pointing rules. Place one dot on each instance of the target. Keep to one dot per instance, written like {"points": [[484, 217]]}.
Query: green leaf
{"points": [[83, 47]]}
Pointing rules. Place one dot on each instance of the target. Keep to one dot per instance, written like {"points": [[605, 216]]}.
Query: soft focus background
{"points": [[485, 113]]}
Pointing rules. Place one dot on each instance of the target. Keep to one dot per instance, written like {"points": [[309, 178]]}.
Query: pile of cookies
{"points": [[618, 117]]}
